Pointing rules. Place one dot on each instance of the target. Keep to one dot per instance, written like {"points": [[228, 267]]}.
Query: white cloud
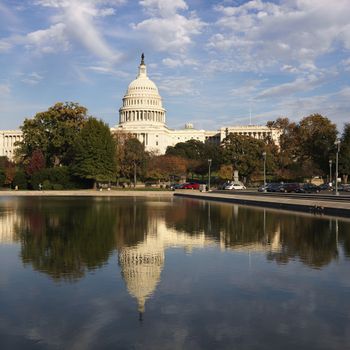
{"points": [[246, 90], [74, 21], [300, 84], [32, 78], [346, 64], [102, 69], [5, 45], [290, 32], [164, 8], [176, 86], [179, 62], [53, 39], [5, 89], [333, 105], [166, 29]]}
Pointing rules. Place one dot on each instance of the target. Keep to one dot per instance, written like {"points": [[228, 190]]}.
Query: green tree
{"points": [[344, 155], [20, 180], [285, 159], [243, 153], [226, 172], [198, 153], [191, 149], [316, 135], [53, 132], [134, 159], [94, 152], [165, 167]]}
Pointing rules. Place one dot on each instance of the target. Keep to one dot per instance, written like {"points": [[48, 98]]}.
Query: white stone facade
{"points": [[7, 142]]}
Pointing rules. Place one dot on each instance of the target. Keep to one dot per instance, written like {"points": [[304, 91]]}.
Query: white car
{"points": [[235, 186]]}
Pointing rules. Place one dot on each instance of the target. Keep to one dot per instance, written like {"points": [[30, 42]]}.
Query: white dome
{"points": [[142, 103], [142, 85]]}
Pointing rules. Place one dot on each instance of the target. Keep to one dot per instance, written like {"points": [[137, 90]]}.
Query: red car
{"points": [[190, 186]]}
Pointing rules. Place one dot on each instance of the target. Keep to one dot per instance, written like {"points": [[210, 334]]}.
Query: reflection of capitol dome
{"points": [[142, 103], [142, 264], [141, 267]]}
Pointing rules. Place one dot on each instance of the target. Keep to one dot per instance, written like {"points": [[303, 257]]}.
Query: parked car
{"points": [[235, 186], [344, 188], [309, 188], [326, 187], [190, 186], [290, 187], [175, 186], [262, 188], [275, 187]]}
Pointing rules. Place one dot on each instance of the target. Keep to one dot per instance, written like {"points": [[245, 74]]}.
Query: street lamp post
{"points": [[337, 143], [209, 164], [264, 156], [330, 171]]}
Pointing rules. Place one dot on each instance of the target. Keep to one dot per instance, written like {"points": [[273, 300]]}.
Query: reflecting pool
{"points": [[170, 273]]}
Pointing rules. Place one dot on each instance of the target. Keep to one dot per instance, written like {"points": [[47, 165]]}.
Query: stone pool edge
{"points": [[310, 206]]}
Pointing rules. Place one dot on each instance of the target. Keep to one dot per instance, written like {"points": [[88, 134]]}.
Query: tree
{"points": [[7, 171], [316, 135], [226, 172], [191, 149], [134, 160], [10, 172], [243, 153], [285, 159], [198, 154], [53, 132], [344, 155], [165, 167], [35, 163], [94, 152]]}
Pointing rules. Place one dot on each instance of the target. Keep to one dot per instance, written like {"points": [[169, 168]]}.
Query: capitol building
{"points": [[143, 115]]}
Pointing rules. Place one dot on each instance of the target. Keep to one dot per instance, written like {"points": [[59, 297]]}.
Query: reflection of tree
{"points": [[343, 234], [310, 239], [230, 224], [63, 238], [133, 221]]}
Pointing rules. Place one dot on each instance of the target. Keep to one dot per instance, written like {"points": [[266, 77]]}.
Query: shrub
{"points": [[60, 177], [47, 185], [20, 180], [2, 178]]}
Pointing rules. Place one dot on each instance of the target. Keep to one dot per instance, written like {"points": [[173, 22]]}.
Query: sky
{"points": [[216, 63]]}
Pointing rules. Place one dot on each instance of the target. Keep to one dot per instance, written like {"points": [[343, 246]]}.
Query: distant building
{"points": [[7, 142], [142, 114]]}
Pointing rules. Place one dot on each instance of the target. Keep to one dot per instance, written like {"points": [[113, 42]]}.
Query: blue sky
{"points": [[213, 61]]}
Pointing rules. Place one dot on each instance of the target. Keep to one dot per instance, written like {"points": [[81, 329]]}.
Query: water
{"points": [[136, 273]]}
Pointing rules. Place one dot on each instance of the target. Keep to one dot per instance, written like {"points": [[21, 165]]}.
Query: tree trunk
{"points": [[134, 174]]}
